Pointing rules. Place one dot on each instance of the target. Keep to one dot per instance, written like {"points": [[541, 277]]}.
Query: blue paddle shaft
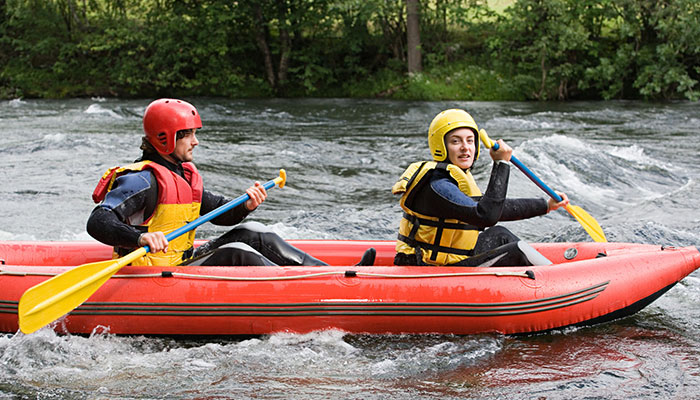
{"points": [[212, 214], [532, 176]]}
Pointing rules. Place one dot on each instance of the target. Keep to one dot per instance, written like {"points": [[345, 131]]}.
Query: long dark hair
{"points": [[146, 146]]}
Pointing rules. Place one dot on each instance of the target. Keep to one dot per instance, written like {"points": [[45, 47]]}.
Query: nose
{"points": [[194, 140]]}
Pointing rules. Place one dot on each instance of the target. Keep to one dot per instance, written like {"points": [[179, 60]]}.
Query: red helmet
{"points": [[164, 117]]}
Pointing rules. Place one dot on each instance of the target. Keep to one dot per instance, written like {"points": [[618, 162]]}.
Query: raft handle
{"points": [[350, 274], [530, 274], [2, 261], [166, 274], [601, 254]]}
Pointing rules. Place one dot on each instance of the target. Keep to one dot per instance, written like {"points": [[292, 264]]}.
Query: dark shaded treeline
{"points": [[535, 49]]}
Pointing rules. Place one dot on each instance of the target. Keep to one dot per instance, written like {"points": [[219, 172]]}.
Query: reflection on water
{"points": [[633, 166]]}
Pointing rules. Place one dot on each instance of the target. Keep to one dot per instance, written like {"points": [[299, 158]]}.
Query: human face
{"points": [[185, 145], [461, 147]]}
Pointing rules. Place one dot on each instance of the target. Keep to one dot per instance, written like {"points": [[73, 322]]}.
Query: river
{"points": [[633, 166]]}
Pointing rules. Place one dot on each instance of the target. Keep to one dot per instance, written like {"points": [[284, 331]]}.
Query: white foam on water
{"points": [[518, 123], [559, 141], [630, 153], [54, 137], [4, 235], [17, 102], [98, 109], [291, 232], [557, 175]]}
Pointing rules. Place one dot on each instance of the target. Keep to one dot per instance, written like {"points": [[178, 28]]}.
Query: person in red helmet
{"points": [[140, 203]]}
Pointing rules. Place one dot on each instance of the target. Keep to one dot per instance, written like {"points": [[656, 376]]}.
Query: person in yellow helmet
{"points": [[140, 203], [446, 218]]}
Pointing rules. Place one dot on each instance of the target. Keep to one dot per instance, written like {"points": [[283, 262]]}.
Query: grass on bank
{"points": [[456, 81]]}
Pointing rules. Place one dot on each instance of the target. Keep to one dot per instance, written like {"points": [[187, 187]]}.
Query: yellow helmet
{"points": [[445, 122]]}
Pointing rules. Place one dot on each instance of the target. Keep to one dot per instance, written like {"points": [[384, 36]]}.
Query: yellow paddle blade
{"points": [[50, 300], [587, 222]]}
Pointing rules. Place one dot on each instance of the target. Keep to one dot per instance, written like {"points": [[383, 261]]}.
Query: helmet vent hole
{"points": [[162, 137]]}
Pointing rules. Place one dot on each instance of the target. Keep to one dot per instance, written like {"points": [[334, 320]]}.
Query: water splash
{"points": [[98, 109]]}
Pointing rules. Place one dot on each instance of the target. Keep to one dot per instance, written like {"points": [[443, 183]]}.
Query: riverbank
{"points": [[460, 81]]}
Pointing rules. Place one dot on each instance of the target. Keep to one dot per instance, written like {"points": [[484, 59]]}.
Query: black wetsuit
{"points": [[442, 198], [134, 197]]}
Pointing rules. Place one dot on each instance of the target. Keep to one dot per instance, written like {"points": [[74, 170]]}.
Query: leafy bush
{"points": [[534, 49]]}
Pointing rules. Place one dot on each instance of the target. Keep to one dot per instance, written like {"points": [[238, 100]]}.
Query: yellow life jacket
{"points": [[440, 241], [179, 202]]}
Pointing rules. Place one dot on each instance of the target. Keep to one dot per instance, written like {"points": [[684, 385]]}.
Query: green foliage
{"points": [[545, 45], [534, 49], [601, 48], [671, 53]]}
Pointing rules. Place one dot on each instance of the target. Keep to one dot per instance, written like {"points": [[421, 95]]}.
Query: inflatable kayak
{"points": [[587, 283]]}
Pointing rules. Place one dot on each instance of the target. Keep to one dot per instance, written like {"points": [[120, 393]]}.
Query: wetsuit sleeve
{"points": [[443, 199], [212, 201], [516, 209], [133, 196]]}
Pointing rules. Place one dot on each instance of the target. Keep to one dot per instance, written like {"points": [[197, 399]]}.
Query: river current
{"points": [[633, 166]]}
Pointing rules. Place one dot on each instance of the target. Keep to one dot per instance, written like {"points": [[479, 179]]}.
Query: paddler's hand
{"points": [[503, 153], [155, 241], [553, 205], [257, 194]]}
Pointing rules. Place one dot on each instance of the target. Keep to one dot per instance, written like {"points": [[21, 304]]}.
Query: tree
{"points": [[545, 46], [413, 36]]}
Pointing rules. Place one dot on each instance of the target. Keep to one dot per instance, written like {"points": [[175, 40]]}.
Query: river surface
{"points": [[633, 166]]}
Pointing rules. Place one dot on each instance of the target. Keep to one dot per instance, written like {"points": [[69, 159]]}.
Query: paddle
{"points": [[587, 222], [53, 298]]}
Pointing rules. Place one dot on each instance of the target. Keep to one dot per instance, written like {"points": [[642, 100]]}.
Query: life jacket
{"points": [[179, 202], [440, 241]]}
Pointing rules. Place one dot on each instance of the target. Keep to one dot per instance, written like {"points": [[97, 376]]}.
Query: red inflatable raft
{"points": [[588, 283]]}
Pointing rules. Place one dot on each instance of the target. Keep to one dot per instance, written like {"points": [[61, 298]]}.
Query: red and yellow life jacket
{"points": [[179, 202], [440, 241]]}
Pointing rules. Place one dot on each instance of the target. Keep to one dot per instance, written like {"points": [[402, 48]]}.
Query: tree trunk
{"points": [[543, 81], [285, 44], [441, 11], [261, 39], [413, 36]]}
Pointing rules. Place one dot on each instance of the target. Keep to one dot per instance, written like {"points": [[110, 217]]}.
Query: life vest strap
{"points": [[434, 248], [410, 181], [437, 224]]}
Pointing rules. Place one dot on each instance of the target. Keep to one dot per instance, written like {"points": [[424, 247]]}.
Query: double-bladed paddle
{"points": [[587, 222], [53, 298]]}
